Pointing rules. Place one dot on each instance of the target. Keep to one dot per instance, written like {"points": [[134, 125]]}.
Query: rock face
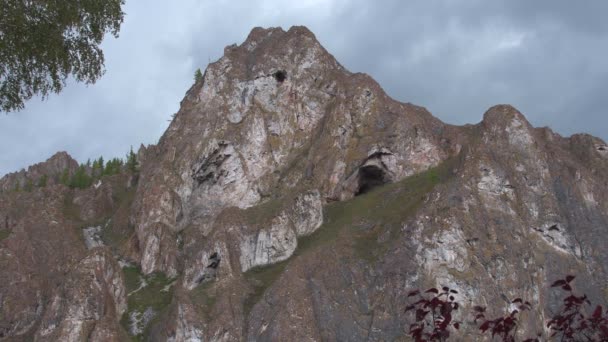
{"points": [[48, 172], [291, 199], [52, 288]]}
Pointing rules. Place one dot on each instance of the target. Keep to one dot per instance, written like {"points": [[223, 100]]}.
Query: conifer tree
{"points": [[29, 185], [132, 161], [65, 177], [94, 169], [42, 181], [100, 162], [198, 75], [81, 179], [97, 168], [113, 167]]}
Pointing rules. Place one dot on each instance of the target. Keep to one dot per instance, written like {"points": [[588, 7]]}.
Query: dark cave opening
{"points": [[280, 76], [370, 177], [215, 261]]}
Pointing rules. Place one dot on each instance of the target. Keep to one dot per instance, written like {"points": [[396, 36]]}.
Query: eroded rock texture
{"points": [[48, 172], [293, 200]]}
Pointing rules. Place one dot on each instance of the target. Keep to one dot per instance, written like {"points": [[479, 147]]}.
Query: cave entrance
{"points": [[370, 177], [280, 76]]}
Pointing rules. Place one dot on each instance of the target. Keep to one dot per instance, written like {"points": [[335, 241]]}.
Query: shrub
{"points": [[42, 181], [29, 185], [572, 324], [433, 314], [65, 177], [505, 327]]}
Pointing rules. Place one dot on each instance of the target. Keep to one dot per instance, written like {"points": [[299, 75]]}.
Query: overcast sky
{"points": [[456, 58]]}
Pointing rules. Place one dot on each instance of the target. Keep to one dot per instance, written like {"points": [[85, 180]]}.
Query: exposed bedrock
{"points": [[291, 199]]}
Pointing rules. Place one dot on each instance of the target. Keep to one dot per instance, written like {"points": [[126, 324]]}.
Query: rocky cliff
{"points": [[46, 173], [293, 200]]}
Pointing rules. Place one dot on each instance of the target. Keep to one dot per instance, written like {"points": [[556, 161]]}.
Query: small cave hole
{"points": [[472, 241], [370, 177], [553, 227], [601, 148], [215, 261], [280, 76]]}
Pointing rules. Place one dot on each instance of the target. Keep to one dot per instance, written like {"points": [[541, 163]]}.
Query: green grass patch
{"points": [[157, 295], [116, 234], [4, 234], [263, 212], [387, 208], [205, 298], [132, 276], [260, 278], [151, 295], [377, 212], [358, 224], [115, 230]]}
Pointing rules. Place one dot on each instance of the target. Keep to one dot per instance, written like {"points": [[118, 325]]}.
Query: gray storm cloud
{"points": [[457, 58]]}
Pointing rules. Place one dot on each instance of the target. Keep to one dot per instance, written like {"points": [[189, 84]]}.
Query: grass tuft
{"points": [[260, 278], [141, 298], [205, 298]]}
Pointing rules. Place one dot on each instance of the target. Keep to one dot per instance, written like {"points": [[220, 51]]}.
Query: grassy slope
{"points": [[362, 224], [155, 295], [4, 234]]}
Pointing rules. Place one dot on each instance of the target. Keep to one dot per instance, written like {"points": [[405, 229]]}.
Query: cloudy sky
{"points": [[457, 58]]}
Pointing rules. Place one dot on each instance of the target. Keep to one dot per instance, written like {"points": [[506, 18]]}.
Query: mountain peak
{"points": [[269, 50], [286, 192], [52, 168], [258, 34], [503, 114]]}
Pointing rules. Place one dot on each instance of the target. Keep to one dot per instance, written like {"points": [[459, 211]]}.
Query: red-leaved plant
{"points": [[572, 323], [433, 317], [503, 327], [433, 314]]}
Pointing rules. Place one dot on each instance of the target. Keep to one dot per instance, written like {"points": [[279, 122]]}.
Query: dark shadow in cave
{"points": [[370, 177], [280, 76]]}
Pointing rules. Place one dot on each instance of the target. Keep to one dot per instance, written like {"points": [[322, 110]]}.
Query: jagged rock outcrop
{"points": [[291, 199], [257, 135], [49, 172], [51, 287], [89, 303]]}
